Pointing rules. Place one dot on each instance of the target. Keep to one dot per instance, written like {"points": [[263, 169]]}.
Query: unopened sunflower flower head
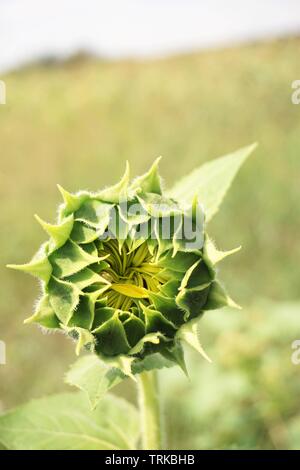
{"points": [[127, 271]]}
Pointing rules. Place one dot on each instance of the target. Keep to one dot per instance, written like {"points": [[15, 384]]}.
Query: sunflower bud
{"points": [[127, 271]]}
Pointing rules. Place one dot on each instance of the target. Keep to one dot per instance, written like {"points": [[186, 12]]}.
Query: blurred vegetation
{"points": [[76, 124], [248, 398]]}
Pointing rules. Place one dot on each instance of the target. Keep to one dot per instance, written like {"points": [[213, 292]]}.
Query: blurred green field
{"points": [[248, 398], [76, 124]]}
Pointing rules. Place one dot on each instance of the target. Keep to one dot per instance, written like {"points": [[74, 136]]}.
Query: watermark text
{"points": [[157, 221], [2, 353], [2, 92], [295, 357], [296, 94]]}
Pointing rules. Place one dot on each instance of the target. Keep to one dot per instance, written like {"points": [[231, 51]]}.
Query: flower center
{"points": [[133, 274]]}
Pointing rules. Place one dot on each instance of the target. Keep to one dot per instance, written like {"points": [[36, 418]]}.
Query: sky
{"points": [[35, 29]]}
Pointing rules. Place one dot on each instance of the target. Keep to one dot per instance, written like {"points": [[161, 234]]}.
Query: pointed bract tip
{"points": [[204, 354], [249, 149], [238, 307], [195, 199], [60, 189], [13, 266], [127, 171], [20, 267], [153, 170], [157, 161], [40, 221], [65, 194], [233, 304]]}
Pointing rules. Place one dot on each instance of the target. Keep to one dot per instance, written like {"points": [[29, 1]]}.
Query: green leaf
{"points": [[69, 259], [111, 337], [170, 288], [83, 316], [218, 298], [95, 214], [163, 234], [150, 182], [66, 422], [91, 249], [118, 229], [193, 300], [189, 332], [39, 266], [117, 193], [85, 277], [130, 366], [82, 336], [167, 306], [196, 276], [102, 314], [156, 322], [82, 233], [189, 233], [153, 338], [211, 181], [181, 262], [175, 353], [151, 362], [59, 233], [93, 377], [44, 314], [134, 328], [122, 363], [212, 255], [159, 206], [63, 297], [72, 202], [133, 213]]}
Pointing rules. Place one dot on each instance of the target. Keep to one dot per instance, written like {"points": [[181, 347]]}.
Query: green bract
{"points": [[127, 271]]}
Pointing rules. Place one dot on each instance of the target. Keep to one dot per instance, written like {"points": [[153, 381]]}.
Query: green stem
{"points": [[150, 411]]}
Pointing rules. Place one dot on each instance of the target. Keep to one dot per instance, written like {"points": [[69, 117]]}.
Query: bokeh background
{"points": [[91, 85]]}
